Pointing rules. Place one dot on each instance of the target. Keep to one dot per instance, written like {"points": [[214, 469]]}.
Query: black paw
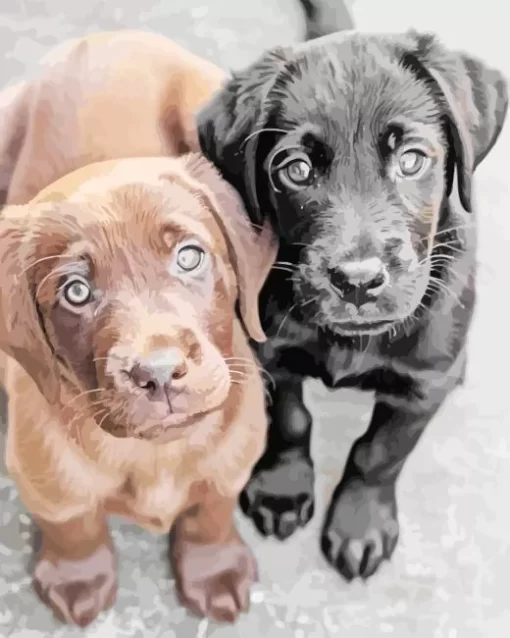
{"points": [[280, 499], [361, 529]]}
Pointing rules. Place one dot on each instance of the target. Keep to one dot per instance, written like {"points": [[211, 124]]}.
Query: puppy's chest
{"points": [[343, 366], [153, 504], [335, 365]]}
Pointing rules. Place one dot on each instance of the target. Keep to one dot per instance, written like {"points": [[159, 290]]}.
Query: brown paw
{"points": [[214, 580], [77, 590]]}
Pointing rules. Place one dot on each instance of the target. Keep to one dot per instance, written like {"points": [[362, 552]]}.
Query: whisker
{"points": [[448, 245], [74, 427], [269, 377], [262, 371], [455, 228], [443, 259], [442, 286], [259, 131], [99, 412], [363, 352], [56, 272], [38, 261], [435, 259], [82, 394], [297, 304], [462, 279], [239, 373], [285, 318], [106, 416], [283, 269]]}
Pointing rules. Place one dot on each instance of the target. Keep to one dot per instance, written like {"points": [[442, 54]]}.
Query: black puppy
{"points": [[350, 144]]}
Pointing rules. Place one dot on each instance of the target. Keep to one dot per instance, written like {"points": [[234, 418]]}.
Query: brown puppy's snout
{"points": [[159, 373], [359, 282]]}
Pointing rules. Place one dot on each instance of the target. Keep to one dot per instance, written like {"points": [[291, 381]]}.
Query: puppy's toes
{"points": [[77, 591], [280, 500], [215, 580], [361, 531]]}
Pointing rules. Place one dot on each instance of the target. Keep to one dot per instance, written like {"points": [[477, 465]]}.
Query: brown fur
{"points": [[77, 454], [107, 95]]}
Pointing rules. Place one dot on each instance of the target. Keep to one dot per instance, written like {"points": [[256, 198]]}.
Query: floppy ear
{"points": [[22, 336], [252, 253], [233, 125], [14, 105], [475, 97]]}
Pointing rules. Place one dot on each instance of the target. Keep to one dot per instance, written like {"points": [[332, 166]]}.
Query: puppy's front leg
{"points": [[279, 497], [361, 527], [213, 568], [75, 571]]}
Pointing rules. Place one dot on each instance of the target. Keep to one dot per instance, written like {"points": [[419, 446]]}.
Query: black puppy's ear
{"points": [[476, 101], [230, 125]]}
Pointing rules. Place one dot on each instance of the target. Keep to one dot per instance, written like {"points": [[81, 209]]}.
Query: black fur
{"points": [[342, 87]]}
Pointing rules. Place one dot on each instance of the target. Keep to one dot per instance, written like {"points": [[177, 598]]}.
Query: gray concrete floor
{"points": [[450, 574]]}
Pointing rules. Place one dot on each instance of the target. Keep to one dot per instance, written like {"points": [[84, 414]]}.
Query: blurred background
{"points": [[233, 32], [450, 575]]}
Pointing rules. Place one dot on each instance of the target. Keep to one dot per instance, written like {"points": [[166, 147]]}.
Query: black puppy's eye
{"points": [[412, 164], [295, 171], [77, 292]]}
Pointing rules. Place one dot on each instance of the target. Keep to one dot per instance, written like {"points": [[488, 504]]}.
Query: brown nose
{"points": [[360, 282], [158, 371]]}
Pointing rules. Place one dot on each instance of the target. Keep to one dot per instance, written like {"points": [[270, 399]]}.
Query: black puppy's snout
{"points": [[360, 282], [156, 373]]}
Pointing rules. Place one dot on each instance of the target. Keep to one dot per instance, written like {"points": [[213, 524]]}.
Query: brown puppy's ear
{"points": [[234, 123], [475, 97], [252, 253], [14, 105], [22, 336]]}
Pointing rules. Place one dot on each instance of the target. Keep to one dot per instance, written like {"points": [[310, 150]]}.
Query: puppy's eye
{"points": [[412, 164], [190, 258], [296, 171], [76, 292]]}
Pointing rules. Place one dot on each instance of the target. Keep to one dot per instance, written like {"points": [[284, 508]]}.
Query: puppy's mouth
{"points": [[163, 422], [354, 329], [170, 429], [165, 433]]}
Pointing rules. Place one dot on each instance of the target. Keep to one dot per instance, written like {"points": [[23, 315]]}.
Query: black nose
{"points": [[360, 282], [156, 373]]}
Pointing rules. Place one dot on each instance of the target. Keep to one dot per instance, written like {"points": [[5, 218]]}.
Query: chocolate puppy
{"points": [[132, 386]]}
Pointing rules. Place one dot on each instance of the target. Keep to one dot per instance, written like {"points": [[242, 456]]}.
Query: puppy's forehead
{"points": [[136, 207], [131, 229], [143, 217], [343, 83]]}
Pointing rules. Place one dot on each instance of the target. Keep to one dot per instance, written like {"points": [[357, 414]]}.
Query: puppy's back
{"points": [[105, 96]]}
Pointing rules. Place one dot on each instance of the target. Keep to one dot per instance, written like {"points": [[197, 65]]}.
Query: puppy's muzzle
{"points": [[157, 374], [161, 376], [359, 282]]}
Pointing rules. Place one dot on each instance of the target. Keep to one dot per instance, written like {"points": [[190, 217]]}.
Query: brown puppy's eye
{"points": [[412, 164], [77, 292], [190, 258], [296, 171]]}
